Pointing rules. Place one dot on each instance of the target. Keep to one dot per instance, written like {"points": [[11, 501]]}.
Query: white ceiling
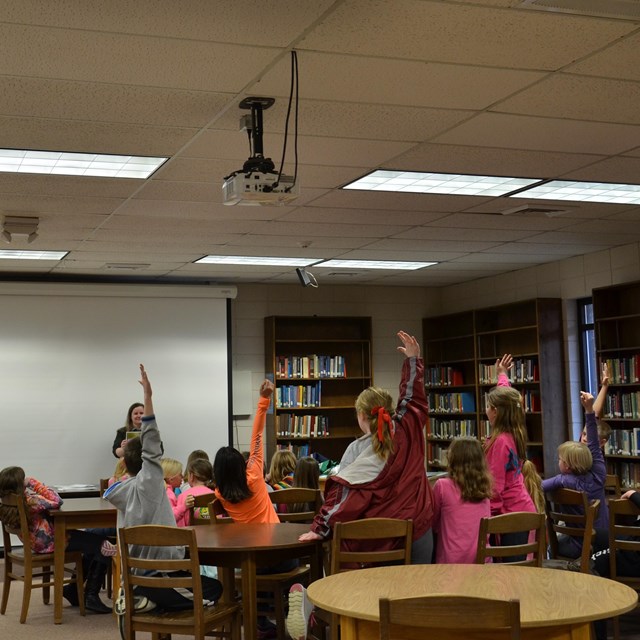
{"points": [[480, 86]]}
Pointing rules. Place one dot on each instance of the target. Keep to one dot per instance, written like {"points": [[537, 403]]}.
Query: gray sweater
{"points": [[142, 499]]}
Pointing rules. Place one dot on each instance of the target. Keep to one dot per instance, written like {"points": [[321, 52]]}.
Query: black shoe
{"points": [[93, 603], [70, 593]]}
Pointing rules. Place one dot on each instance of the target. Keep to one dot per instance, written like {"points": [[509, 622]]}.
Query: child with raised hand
{"points": [[200, 477], [460, 501], [382, 473], [582, 467], [604, 430], [39, 500], [506, 450]]}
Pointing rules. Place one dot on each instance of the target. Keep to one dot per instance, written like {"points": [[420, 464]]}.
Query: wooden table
{"points": [[554, 604], [79, 513], [248, 546]]}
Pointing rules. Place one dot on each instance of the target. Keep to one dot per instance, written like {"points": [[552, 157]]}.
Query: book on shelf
{"points": [[291, 396], [452, 402], [448, 429], [298, 450], [623, 442], [623, 405], [623, 370], [443, 376], [313, 366], [524, 370]]}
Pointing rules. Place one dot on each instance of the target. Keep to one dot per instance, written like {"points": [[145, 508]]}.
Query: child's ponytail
{"points": [[533, 484], [377, 405]]}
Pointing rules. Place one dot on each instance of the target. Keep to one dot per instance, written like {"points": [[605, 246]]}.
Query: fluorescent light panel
{"points": [[374, 264], [442, 183], [78, 164], [263, 261], [8, 254], [609, 192]]}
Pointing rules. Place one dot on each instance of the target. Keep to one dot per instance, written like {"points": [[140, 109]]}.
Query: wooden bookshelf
{"points": [[319, 366], [616, 314], [460, 353]]}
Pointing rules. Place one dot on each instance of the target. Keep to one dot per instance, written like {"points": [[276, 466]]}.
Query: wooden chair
{"points": [[367, 534], [104, 485], [217, 514], [309, 499], [517, 522], [624, 535], [221, 620], [35, 565], [612, 486], [199, 513], [436, 615], [570, 513]]}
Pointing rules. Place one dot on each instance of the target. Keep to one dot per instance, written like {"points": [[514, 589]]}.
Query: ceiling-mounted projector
{"points": [[257, 183]]}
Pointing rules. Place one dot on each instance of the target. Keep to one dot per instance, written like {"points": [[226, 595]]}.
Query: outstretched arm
{"points": [[146, 386], [598, 405]]}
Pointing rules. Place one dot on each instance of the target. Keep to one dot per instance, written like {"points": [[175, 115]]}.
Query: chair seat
{"points": [[176, 620]]}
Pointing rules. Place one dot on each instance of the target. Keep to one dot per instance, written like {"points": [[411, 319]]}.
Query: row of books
{"points": [[452, 402], [298, 450], [623, 370], [309, 426], [629, 475], [443, 377], [623, 405], [437, 454], [452, 428], [293, 396], [524, 370], [314, 366], [624, 442]]}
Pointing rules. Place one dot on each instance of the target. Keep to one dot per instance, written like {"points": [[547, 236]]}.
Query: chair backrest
{"points": [[612, 485], [371, 542], [199, 513], [570, 512], [217, 514], [449, 612], [301, 504], [15, 503], [104, 485], [624, 535], [516, 522], [142, 571]]}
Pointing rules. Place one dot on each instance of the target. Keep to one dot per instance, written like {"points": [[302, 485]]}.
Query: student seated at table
{"points": [[460, 501], [194, 455], [582, 467], [40, 499], [283, 464], [142, 499], [200, 478], [382, 473], [242, 491]]}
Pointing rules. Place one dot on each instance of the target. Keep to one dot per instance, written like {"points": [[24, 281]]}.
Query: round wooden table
{"points": [[554, 604], [248, 546]]}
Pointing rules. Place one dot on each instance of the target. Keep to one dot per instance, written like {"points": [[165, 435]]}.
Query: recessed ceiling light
{"points": [[610, 192], [442, 183], [264, 261], [374, 264], [78, 164], [8, 254]]}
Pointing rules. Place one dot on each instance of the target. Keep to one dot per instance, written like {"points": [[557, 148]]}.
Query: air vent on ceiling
{"points": [[621, 9], [525, 209], [126, 266]]}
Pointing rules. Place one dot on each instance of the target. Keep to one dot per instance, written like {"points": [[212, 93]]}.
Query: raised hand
{"points": [[605, 375], [586, 400], [266, 388], [410, 346], [144, 381], [504, 364]]}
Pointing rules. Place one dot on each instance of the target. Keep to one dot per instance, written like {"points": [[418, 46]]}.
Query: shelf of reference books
{"points": [[616, 318], [460, 353], [319, 364]]}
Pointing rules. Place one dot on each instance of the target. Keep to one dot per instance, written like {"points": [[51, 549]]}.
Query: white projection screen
{"points": [[69, 356]]}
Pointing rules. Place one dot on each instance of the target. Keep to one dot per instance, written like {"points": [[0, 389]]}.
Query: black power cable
{"points": [[294, 86]]}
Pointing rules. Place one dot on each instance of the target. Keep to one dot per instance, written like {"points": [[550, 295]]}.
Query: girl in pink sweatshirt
{"points": [[200, 479]]}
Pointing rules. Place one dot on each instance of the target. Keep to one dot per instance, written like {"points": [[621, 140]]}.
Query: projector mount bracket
{"points": [[257, 162]]}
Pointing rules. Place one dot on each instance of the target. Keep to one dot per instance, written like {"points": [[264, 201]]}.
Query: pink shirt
{"points": [[181, 511], [457, 523]]}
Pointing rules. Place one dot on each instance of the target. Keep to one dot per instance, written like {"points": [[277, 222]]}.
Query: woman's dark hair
{"points": [[230, 475], [129, 423], [307, 473], [11, 481], [202, 471]]}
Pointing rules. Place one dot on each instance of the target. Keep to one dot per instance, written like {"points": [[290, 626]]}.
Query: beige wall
{"points": [[394, 308]]}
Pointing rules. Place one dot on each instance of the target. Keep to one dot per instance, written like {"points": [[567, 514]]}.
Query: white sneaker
{"points": [[300, 610]]}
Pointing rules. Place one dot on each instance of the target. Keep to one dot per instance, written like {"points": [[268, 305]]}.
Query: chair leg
{"points": [[616, 628], [26, 595], [278, 607], [5, 593], [46, 591]]}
